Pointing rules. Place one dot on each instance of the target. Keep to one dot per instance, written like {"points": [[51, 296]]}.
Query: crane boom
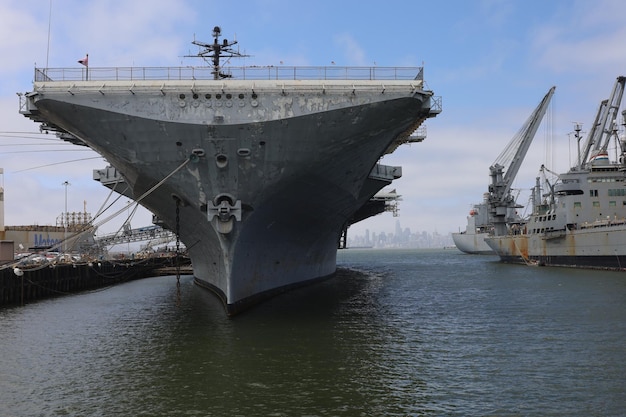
{"points": [[605, 122], [500, 199], [593, 132]]}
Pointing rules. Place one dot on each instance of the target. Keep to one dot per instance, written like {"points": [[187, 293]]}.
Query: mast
{"points": [[577, 129], [216, 51]]}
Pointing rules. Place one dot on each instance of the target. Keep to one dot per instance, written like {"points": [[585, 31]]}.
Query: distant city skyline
{"points": [[400, 238]]}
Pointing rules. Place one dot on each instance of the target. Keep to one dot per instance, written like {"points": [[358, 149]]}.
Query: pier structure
{"points": [[30, 282]]}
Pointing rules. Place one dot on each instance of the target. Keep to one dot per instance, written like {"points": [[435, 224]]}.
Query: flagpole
{"points": [[49, 25], [85, 62]]}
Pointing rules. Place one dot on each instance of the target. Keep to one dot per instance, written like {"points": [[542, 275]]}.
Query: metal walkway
{"points": [[141, 234]]}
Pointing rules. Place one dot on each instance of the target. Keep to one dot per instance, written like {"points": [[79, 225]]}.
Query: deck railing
{"points": [[236, 73]]}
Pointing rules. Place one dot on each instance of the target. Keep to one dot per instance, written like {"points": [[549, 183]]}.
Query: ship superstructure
{"points": [[472, 239], [259, 170], [579, 220]]}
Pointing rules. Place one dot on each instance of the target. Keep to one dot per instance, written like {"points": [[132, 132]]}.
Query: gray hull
{"points": [[472, 243], [602, 247], [271, 172], [472, 240]]}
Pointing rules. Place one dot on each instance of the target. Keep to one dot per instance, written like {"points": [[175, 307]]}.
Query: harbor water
{"points": [[394, 333]]}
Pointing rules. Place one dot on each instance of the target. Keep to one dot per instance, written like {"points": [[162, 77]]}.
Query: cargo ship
{"points": [[472, 239], [258, 170], [579, 219]]}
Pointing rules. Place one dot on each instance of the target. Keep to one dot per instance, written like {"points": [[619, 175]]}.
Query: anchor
{"points": [[223, 211]]}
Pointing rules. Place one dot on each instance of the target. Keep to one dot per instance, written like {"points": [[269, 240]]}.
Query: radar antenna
{"points": [[215, 51]]}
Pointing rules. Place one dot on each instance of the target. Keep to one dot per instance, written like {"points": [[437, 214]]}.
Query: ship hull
{"points": [[472, 243], [472, 240], [594, 248], [261, 187]]}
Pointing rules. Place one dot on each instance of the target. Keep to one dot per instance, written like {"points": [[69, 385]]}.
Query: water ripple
{"points": [[395, 333]]}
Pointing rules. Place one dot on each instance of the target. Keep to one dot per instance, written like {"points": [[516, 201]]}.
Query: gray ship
{"points": [[499, 205], [472, 239], [259, 170], [580, 219]]}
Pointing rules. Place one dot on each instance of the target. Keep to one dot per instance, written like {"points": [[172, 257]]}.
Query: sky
{"points": [[491, 62]]}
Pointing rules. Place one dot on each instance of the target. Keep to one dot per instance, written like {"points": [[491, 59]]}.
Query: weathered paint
{"points": [[292, 158]]}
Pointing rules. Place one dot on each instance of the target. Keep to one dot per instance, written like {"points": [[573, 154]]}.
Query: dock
{"points": [[27, 283]]}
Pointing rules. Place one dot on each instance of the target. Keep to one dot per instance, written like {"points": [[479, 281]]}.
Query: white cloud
{"points": [[588, 38], [353, 53], [23, 37]]}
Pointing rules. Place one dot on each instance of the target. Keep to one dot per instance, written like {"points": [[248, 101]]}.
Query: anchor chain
{"points": [[178, 251]]}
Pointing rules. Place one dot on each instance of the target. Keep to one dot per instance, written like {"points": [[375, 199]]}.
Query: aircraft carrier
{"points": [[259, 170]]}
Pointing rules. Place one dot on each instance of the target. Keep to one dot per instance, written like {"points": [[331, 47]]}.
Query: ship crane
{"points": [[215, 51], [501, 202], [550, 194], [604, 126]]}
